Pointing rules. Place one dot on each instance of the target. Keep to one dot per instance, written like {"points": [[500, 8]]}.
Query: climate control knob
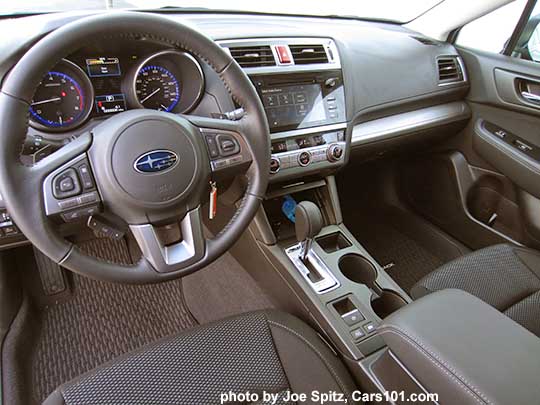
{"points": [[335, 152], [275, 164], [304, 158]]}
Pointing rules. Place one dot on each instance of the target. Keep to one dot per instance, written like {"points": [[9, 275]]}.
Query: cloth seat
{"points": [[265, 351], [504, 276]]}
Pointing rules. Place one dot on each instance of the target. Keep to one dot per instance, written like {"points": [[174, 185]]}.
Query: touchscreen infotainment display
{"points": [[294, 106]]}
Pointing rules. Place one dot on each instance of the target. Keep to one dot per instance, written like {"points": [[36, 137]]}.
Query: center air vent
{"points": [[253, 56], [449, 70], [308, 54]]}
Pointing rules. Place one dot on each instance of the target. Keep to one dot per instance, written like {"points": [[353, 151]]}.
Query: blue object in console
{"points": [[288, 207]]}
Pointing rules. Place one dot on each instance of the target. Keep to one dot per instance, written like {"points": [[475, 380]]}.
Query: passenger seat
{"points": [[504, 276]]}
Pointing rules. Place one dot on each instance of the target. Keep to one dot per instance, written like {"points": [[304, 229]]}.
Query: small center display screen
{"points": [[297, 106]]}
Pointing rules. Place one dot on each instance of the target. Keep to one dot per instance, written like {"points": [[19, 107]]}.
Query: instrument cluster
{"points": [[93, 83]]}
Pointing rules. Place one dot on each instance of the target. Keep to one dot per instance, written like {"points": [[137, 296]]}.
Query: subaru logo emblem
{"points": [[155, 161]]}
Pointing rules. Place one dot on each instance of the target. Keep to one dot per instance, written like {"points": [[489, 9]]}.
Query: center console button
{"points": [[304, 158], [274, 165], [358, 334], [353, 317], [335, 152]]}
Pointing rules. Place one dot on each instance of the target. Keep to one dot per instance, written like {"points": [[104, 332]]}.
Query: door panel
{"points": [[505, 132]]}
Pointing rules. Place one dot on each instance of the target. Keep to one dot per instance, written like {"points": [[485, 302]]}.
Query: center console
{"points": [[300, 84]]}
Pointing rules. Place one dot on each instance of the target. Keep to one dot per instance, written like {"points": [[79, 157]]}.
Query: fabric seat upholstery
{"points": [[260, 351], [504, 276]]}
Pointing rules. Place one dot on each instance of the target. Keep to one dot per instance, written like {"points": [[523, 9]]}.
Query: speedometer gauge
{"points": [[157, 88], [169, 80], [62, 99]]}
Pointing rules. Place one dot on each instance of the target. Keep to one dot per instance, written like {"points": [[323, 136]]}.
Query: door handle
{"points": [[534, 98]]}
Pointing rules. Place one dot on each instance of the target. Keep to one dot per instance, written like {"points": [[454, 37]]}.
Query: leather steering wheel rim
{"points": [[21, 186]]}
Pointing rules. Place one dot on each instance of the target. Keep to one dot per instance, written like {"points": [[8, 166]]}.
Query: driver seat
{"points": [[264, 351]]}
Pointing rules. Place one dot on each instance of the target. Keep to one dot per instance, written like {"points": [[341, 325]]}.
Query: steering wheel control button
{"points": [[227, 145], [275, 164], [80, 213], [86, 177], [66, 184], [304, 159], [211, 143]]}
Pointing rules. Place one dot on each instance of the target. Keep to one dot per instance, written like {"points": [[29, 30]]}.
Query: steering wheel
{"points": [[114, 150]]}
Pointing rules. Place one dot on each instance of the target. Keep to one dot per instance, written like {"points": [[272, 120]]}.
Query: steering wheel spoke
{"points": [[164, 257]]}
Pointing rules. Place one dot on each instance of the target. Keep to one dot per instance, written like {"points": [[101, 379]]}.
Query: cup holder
{"points": [[358, 269], [386, 303]]}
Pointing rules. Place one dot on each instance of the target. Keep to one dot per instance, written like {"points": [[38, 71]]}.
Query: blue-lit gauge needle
{"points": [[150, 95], [50, 100]]}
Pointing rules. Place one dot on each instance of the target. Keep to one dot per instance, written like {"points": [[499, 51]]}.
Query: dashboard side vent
{"points": [[449, 70], [308, 54], [253, 56]]}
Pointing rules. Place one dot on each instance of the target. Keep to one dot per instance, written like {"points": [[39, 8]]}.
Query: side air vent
{"points": [[450, 70], [308, 54], [253, 56]]}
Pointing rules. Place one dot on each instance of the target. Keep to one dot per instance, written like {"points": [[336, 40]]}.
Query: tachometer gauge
{"points": [[157, 88], [63, 98], [169, 80]]}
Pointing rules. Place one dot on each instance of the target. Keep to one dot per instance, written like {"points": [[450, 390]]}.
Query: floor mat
{"points": [[103, 321], [403, 258], [222, 289]]}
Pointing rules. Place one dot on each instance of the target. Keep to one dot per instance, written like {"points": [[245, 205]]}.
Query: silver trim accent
{"points": [[177, 53], [401, 124], [328, 44], [328, 282], [177, 256], [307, 131], [461, 66]]}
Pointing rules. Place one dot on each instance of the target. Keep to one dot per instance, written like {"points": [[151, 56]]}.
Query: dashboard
{"points": [[356, 91]]}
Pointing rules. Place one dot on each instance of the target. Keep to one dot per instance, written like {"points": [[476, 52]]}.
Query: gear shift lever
{"points": [[308, 224]]}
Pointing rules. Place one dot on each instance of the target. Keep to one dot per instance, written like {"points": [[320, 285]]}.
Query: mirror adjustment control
{"points": [[66, 184]]}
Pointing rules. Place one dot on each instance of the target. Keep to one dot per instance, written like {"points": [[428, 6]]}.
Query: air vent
{"points": [[308, 54], [253, 56], [449, 70]]}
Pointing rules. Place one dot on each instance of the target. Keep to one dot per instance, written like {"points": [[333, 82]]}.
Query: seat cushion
{"points": [[504, 276], [266, 351]]}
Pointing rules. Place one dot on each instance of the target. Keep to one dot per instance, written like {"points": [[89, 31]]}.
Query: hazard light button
{"points": [[284, 54]]}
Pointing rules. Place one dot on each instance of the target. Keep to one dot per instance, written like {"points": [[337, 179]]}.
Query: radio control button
{"points": [[304, 158], [274, 165]]}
